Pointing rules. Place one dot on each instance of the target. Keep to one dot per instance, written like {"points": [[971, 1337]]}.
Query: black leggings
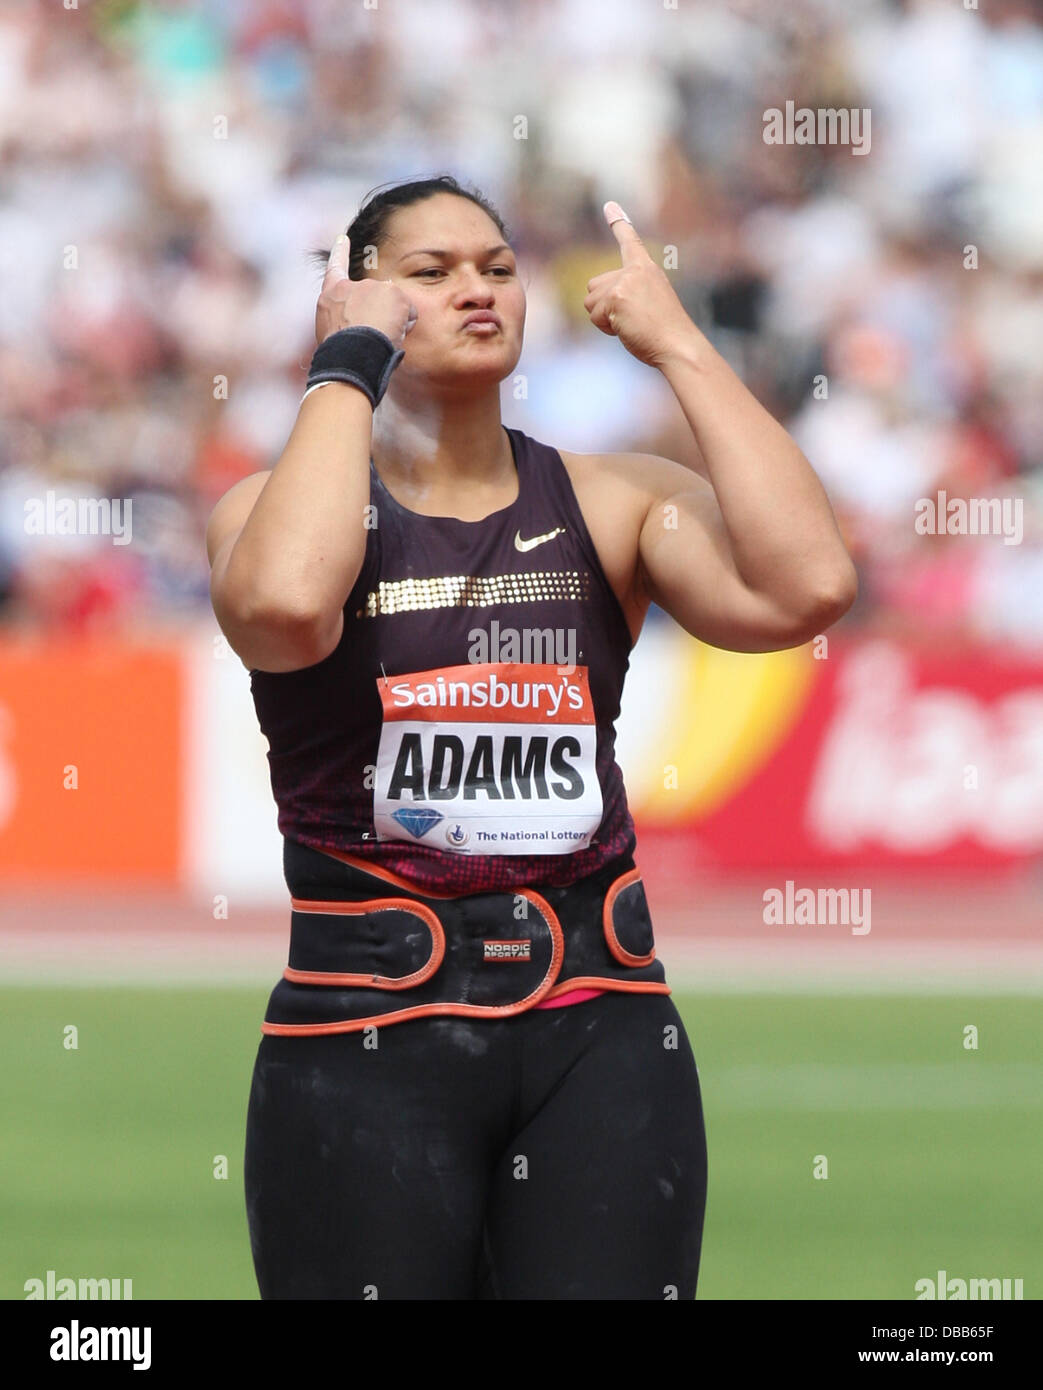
{"points": [[557, 1154]]}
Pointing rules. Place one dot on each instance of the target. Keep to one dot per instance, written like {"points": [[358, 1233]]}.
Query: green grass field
{"points": [[107, 1152]]}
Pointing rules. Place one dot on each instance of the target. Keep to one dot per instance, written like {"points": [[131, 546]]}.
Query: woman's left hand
{"points": [[637, 303]]}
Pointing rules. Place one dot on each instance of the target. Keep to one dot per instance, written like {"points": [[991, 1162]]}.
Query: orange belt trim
{"points": [[330, 977], [420, 1010], [621, 954], [546, 989], [462, 1010], [389, 876]]}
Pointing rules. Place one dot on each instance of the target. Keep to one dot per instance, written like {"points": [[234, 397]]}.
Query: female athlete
{"points": [[472, 1080]]}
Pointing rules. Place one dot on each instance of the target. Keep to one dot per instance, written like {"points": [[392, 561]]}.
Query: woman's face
{"points": [[449, 258]]}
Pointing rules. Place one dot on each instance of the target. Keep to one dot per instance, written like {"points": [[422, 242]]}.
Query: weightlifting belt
{"points": [[367, 949]]}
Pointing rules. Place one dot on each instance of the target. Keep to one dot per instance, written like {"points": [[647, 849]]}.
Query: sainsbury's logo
{"points": [[478, 692]]}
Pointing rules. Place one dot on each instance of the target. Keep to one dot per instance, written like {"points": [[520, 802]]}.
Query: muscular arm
{"points": [[286, 547], [687, 564], [662, 536], [756, 554], [749, 558]]}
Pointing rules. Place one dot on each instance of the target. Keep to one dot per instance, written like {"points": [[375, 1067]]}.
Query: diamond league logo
{"points": [[417, 822]]}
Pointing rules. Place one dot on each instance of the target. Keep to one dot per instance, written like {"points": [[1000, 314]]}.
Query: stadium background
{"points": [[165, 168]]}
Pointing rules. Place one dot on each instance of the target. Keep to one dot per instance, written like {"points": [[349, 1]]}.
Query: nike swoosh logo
{"points": [[519, 544]]}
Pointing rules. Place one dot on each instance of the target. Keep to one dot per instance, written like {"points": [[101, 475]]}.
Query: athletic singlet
{"points": [[461, 734]]}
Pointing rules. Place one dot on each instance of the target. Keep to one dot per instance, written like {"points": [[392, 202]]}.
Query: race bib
{"points": [[496, 758]]}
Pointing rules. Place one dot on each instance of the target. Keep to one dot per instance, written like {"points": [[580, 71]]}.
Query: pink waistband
{"points": [[574, 996]]}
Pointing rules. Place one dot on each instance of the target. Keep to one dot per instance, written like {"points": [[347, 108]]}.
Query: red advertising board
{"points": [[894, 757]]}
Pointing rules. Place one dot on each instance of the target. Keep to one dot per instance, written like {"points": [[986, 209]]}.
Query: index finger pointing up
{"points": [[631, 247], [340, 255]]}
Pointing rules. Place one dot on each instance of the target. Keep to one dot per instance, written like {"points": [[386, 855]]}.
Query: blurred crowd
{"points": [[166, 167]]}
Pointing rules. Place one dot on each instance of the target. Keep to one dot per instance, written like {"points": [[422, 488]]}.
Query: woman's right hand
{"points": [[347, 303]]}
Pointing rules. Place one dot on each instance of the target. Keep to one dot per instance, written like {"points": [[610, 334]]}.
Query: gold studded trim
{"points": [[470, 591]]}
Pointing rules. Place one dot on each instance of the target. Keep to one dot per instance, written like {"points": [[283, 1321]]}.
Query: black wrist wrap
{"points": [[362, 356]]}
